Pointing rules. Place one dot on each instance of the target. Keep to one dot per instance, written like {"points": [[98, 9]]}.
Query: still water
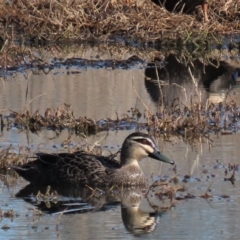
{"points": [[99, 93], [198, 218]]}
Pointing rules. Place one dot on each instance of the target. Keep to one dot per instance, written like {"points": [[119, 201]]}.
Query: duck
{"points": [[83, 168]]}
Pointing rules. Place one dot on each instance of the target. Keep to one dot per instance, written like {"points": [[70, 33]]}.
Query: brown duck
{"points": [[88, 169]]}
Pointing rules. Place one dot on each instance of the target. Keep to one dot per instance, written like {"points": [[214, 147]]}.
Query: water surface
{"points": [[100, 93]]}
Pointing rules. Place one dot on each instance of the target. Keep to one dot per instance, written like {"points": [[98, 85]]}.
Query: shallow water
{"points": [[100, 93], [198, 218]]}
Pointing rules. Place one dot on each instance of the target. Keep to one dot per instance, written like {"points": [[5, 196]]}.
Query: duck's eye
{"points": [[144, 141]]}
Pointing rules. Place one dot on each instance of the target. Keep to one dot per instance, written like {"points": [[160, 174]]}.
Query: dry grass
{"points": [[103, 19], [40, 22], [55, 119], [11, 156], [190, 120], [195, 120]]}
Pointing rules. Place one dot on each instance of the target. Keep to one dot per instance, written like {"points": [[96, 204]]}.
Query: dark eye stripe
{"points": [[144, 141]]}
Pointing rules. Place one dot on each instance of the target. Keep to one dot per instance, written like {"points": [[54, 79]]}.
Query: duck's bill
{"points": [[161, 157]]}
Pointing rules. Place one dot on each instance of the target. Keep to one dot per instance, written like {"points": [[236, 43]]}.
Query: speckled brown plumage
{"points": [[78, 167], [88, 169]]}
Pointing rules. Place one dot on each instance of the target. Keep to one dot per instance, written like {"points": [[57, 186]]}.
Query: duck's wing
{"points": [[107, 162], [78, 167]]}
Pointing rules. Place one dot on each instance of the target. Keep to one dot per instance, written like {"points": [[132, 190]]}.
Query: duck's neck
{"points": [[129, 162], [129, 157]]}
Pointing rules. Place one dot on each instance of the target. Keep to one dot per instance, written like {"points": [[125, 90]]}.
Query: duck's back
{"points": [[68, 168]]}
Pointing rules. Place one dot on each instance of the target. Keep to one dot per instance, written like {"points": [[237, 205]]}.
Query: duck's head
{"points": [[139, 145]]}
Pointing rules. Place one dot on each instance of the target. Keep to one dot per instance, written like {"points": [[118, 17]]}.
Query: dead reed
{"points": [[190, 120], [55, 119], [13, 156], [194, 120], [104, 19]]}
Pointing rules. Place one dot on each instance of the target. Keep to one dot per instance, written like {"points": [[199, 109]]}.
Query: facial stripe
{"points": [[148, 148], [145, 141]]}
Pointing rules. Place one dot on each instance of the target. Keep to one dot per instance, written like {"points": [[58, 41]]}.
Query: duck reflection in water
{"points": [[214, 80], [139, 214]]}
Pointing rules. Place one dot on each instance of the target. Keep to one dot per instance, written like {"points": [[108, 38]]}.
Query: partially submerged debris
{"points": [[54, 119], [232, 179], [193, 121], [9, 155], [206, 195], [7, 214], [48, 196]]}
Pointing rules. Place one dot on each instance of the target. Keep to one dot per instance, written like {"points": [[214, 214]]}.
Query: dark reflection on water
{"points": [[99, 91], [214, 78], [73, 199]]}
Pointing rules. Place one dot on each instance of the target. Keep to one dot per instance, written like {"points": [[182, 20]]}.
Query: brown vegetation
{"points": [[190, 120], [103, 19], [54, 119], [9, 155], [195, 120]]}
